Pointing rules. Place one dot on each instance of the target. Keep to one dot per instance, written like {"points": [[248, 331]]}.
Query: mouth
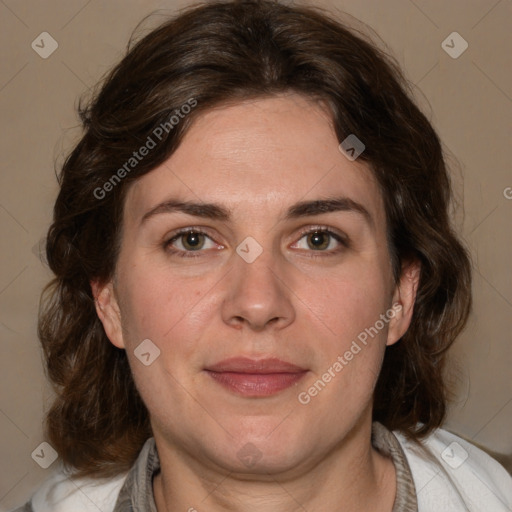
{"points": [[255, 378]]}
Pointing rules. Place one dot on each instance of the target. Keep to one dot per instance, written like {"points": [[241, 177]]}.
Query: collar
{"points": [[137, 491]]}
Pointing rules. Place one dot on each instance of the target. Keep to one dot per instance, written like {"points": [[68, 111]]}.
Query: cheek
{"points": [[347, 304], [351, 353], [342, 383], [157, 304]]}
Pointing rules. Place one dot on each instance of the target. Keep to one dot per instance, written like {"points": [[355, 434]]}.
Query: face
{"points": [[258, 298]]}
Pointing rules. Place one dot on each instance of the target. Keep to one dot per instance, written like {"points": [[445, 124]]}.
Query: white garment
{"points": [[59, 493], [450, 475]]}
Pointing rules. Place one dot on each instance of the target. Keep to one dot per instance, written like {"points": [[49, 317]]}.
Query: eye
{"points": [[189, 240], [321, 240]]}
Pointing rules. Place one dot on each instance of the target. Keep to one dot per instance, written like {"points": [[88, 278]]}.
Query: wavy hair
{"points": [[216, 53]]}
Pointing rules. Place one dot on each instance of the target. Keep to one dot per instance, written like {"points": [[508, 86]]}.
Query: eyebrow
{"points": [[298, 210]]}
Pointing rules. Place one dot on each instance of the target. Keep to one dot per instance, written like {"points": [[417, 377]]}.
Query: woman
{"points": [[256, 282]]}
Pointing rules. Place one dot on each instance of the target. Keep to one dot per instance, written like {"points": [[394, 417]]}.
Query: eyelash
{"points": [[317, 229]]}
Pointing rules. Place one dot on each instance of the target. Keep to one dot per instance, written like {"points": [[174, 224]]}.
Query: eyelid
{"points": [[182, 231], [325, 229]]}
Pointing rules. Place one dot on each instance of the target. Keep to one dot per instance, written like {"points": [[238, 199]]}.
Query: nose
{"points": [[257, 295]]}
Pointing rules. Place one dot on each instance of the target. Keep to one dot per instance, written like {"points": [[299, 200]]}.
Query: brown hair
{"points": [[212, 54]]}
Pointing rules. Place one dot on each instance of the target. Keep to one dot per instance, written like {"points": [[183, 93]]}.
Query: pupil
{"points": [[318, 240], [193, 239]]}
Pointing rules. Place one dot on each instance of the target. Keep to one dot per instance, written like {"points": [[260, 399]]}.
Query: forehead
{"points": [[259, 155]]}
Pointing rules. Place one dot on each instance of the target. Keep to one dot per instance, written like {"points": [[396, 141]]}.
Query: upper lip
{"points": [[247, 365]]}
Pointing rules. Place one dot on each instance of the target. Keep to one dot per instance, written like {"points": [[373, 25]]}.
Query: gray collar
{"points": [[137, 491]]}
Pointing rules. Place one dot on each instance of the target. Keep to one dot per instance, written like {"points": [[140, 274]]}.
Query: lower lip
{"points": [[256, 384]]}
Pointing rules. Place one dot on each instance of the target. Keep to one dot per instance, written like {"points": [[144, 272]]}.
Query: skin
{"points": [[256, 159]]}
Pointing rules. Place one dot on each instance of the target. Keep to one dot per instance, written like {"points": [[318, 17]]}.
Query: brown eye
{"points": [[321, 242], [192, 241], [318, 240]]}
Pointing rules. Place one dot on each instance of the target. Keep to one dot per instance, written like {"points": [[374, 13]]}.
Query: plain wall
{"points": [[468, 99]]}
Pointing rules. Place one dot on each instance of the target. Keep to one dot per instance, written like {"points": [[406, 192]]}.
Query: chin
{"points": [[270, 449]]}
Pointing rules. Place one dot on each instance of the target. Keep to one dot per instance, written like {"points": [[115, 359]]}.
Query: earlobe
{"points": [[107, 309], [404, 298]]}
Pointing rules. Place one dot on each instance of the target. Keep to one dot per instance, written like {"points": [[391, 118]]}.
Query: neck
{"points": [[352, 477]]}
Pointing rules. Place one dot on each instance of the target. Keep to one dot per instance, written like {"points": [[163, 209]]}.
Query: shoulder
{"points": [[452, 473], [61, 493]]}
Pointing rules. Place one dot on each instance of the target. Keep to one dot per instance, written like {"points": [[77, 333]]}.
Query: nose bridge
{"points": [[260, 269], [257, 293]]}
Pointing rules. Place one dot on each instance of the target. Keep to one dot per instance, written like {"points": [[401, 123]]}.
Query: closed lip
{"points": [[255, 366]]}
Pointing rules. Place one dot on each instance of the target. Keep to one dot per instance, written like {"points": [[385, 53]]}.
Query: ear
{"points": [[404, 298], [108, 311]]}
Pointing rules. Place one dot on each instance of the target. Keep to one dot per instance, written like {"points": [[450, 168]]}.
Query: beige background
{"points": [[469, 100]]}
